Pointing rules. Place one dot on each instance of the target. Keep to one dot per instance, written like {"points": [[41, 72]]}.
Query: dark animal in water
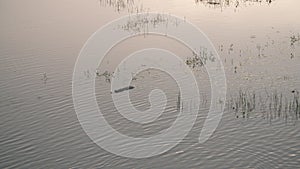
{"points": [[124, 89]]}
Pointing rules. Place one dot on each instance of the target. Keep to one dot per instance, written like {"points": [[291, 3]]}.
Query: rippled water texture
{"points": [[258, 42]]}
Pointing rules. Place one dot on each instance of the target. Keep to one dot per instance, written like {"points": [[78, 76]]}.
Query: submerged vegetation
{"points": [[135, 6], [272, 106], [233, 3], [200, 58], [245, 104], [294, 39], [120, 5], [141, 22], [107, 75]]}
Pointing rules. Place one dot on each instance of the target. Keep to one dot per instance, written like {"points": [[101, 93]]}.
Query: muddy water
{"points": [[40, 41]]}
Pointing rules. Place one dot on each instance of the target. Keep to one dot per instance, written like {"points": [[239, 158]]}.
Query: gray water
{"points": [[40, 42]]}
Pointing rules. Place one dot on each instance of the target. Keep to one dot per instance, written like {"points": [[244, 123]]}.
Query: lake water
{"points": [[258, 43]]}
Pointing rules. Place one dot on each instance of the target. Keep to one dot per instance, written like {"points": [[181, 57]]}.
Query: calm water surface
{"points": [[40, 42]]}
